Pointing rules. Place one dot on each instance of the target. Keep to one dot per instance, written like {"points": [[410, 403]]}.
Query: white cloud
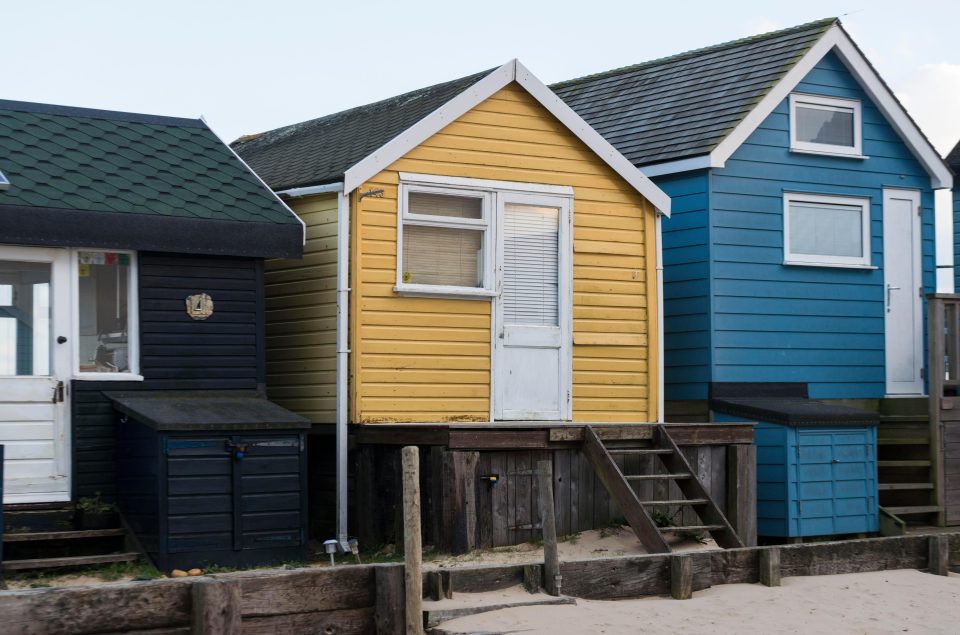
{"points": [[932, 95]]}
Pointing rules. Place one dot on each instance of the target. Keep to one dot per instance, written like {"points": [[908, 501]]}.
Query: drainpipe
{"points": [[343, 358], [660, 334]]}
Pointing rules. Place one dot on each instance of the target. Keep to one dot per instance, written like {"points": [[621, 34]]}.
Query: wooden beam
{"points": [[936, 322], [389, 608], [386, 434], [939, 558], [412, 549], [551, 556], [770, 567], [742, 492], [681, 577], [492, 439], [216, 607]]}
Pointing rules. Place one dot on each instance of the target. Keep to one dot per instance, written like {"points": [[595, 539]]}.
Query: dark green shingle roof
{"points": [[321, 150], [66, 158], [683, 106]]}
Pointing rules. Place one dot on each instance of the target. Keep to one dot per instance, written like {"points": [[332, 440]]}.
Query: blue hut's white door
{"points": [[903, 301], [532, 322], [34, 373]]}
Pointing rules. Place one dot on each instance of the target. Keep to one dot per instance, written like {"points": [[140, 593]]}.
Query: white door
{"points": [[34, 373], [531, 364], [903, 303]]}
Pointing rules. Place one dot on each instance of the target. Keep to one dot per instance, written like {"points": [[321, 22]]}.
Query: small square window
{"points": [[444, 241], [106, 323], [826, 230], [825, 125]]}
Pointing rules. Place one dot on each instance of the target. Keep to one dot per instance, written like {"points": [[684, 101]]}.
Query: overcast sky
{"points": [[250, 66]]}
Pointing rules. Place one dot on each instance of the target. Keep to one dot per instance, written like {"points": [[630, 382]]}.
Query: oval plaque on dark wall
{"points": [[199, 306]]}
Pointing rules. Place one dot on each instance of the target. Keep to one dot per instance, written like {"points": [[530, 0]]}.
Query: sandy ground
{"points": [[596, 543], [903, 601]]}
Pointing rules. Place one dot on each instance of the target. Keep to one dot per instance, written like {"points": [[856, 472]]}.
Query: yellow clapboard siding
{"points": [[428, 359]]}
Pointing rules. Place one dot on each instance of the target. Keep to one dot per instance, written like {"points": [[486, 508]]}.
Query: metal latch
{"points": [[58, 392], [238, 450]]}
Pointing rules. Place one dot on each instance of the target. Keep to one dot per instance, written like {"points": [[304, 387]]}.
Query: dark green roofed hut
{"points": [[131, 263]]}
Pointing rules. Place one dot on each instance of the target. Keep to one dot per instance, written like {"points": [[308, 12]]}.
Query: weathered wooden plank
{"points": [[605, 433], [497, 439], [770, 567], [741, 503], [500, 500], [412, 548], [618, 578], [734, 566], [551, 557], [681, 577], [342, 622], [278, 592], [389, 606], [385, 434], [216, 607], [486, 578], [532, 577], [854, 556], [939, 555], [561, 487]]}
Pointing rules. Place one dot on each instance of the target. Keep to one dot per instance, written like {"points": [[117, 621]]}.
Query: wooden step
{"points": [[639, 451], [912, 463], [75, 561], [657, 477], [904, 441], [903, 486], [690, 528], [912, 510], [62, 535], [674, 503]]}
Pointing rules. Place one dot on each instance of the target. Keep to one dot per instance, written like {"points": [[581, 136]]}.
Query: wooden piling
{"points": [[939, 558], [388, 612], [216, 607], [681, 577], [548, 519], [412, 549], [770, 567]]}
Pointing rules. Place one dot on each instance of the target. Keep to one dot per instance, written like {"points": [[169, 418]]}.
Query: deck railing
{"points": [[943, 333]]}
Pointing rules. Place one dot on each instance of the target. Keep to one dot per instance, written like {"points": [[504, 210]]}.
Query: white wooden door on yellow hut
{"points": [[35, 365], [532, 319]]}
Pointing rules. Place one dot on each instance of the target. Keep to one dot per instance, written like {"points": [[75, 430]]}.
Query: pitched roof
{"points": [[322, 150], [685, 105], [953, 159], [94, 160]]}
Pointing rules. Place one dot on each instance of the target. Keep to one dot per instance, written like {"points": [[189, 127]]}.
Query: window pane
{"points": [[24, 318], [445, 205], [823, 229], [104, 323], [441, 255], [825, 124], [531, 245]]}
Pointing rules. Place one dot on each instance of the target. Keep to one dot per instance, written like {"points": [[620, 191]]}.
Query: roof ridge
{"points": [[369, 107], [97, 113], [822, 24]]}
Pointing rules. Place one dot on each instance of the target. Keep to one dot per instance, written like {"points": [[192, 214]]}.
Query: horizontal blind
{"points": [[826, 229], [530, 265], [442, 256]]}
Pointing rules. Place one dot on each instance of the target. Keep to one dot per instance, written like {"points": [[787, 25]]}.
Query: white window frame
{"points": [[133, 319], [483, 224], [818, 260], [827, 103]]}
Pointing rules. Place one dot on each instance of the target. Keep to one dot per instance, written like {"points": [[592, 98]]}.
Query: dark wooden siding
{"points": [[224, 352]]}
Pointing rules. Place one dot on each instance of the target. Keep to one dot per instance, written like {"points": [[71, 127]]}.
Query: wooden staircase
{"points": [[640, 513], [905, 479]]}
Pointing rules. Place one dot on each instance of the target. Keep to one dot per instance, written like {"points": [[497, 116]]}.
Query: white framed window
{"points": [[825, 125], [826, 230], [106, 327], [444, 244]]}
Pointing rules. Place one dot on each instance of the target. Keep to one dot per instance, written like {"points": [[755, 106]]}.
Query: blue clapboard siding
{"points": [[686, 286], [956, 239], [768, 321], [223, 352]]}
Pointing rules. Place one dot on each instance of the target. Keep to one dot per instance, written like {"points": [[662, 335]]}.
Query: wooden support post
{"points": [[412, 549], [770, 567], [681, 577], [937, 323], [532, 577], [216, 607], [439, 585], [388, 612], [939, 559], [742, 492], [458, 505], [548, 519]]}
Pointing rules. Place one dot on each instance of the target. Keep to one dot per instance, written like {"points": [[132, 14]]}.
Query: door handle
{"points": [[58, 392], [889, 289]]}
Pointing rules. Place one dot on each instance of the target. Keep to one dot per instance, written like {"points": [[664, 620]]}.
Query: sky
{"points": [[249, 66]]}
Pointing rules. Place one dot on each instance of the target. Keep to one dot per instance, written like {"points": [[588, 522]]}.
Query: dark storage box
{"points": [[212, 478]]}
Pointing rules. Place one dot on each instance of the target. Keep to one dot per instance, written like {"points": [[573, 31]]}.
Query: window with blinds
{"points": [[444, 239], [530, 265], [826, 229], [825, 124]]}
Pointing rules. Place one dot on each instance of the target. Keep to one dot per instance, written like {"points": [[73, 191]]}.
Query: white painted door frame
{"points": [[29, 401], [533, 337], [903, 291]]}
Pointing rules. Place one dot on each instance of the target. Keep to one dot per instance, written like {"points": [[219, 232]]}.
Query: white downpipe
{"points": [[660, 335], [297, 192], [343, 352]]}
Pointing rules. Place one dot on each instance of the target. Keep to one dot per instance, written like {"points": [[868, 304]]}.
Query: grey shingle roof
{"points": [[321, 150], [953, 159], [103, 161], [683, 106]]}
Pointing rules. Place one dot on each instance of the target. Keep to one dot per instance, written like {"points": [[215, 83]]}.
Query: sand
{"points": [[903, 601]]}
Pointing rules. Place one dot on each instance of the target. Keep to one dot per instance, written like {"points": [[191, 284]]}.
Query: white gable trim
{"points": [[459, 105], [835, 39]]}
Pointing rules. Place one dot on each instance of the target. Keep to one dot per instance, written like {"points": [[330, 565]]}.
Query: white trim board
{"points": [[483, 89], [836, 40]]}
